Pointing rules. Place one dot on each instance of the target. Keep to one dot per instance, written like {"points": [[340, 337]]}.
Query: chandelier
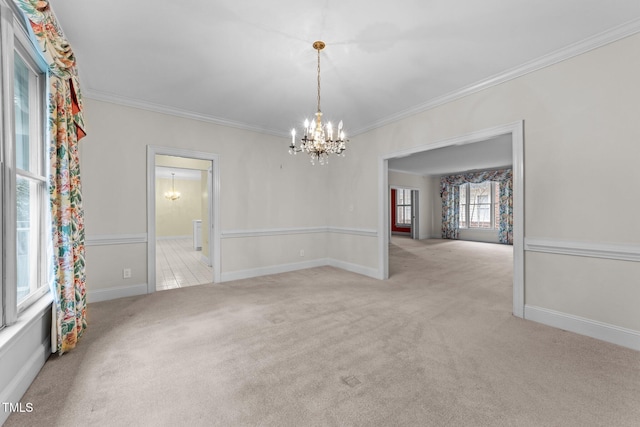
{"points": [[318, 139], [173, 194]]}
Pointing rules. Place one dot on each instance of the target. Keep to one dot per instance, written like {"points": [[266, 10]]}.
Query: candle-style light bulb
{"points": [[306, 126], [293, 137]]}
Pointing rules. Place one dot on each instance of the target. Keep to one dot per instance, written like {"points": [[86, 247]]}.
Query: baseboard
{"points": [[580, 325], [272, 269], [115, 293], [15, 390], [285, 268], [354, 268]]}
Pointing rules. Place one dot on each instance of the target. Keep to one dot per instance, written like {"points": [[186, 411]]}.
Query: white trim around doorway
{"points": [[516, 130], [214, 208]]}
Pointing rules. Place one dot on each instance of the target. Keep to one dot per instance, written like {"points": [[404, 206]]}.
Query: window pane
{"points": [[28, 232], [480, 205], [30, 187], [463, 206], [22, 76], [399, 215], [403, 207]]}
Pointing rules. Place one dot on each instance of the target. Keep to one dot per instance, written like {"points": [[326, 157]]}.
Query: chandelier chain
{"points": [[318, 80]]}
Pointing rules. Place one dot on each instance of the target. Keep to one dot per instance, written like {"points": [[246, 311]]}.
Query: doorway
{"points": [[182, 218], [183, 247], [515, 133], [404, 212]]}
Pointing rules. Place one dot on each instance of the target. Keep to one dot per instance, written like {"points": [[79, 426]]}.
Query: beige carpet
{"points": [[434, 345]]}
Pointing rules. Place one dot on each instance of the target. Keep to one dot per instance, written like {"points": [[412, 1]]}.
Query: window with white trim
{"points": [[24, 189], [31, 183], [479, 205], [403, 207]]}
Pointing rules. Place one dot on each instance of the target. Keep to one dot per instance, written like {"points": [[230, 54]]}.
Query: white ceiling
{"points": [[251, 64], [181, 174], [485, 155]]}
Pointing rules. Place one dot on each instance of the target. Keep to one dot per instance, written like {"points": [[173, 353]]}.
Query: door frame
{"points": [[415, 211], [516, 130], [214, 208], [415, 229]]}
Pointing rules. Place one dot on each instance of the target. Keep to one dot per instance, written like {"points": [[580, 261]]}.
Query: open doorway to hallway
{"points": [[182, 218], [203, 231]]}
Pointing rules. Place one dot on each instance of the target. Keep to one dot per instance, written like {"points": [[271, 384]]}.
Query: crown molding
{"points": [[575, 49], [163, 109], [568, 52]]}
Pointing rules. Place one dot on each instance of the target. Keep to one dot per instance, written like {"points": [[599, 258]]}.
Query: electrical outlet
{"points": [[126, 273], [301, 252]]}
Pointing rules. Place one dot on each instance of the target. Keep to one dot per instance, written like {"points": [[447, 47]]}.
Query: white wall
{"points": [[581, 133], [262, 188], [174, 217], [581, 145]]}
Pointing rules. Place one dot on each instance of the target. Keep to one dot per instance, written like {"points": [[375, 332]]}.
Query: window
{"points": [[25, 182], [403, 207], [479, 206], [31, 184]]}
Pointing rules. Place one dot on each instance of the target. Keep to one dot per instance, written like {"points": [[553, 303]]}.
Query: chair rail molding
{"points": [[615, 251], [231, 234], [115, 239]]}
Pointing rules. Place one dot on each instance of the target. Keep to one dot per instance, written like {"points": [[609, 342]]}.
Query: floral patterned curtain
{"points": [[66, 128], [450, 210], [450, 194]]}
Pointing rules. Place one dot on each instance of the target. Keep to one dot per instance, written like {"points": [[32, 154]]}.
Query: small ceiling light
{"points": [[318, 139], [173, 194]]}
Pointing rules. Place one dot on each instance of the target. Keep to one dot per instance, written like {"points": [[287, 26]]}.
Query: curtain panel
{"points": [[66, 128], [450, 194]]}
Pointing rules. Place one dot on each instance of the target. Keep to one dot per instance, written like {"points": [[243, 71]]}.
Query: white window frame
{"points": [[15, 37], [406, 202], [467, 205]]}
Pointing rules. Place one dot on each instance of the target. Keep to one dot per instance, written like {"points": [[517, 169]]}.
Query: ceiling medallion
{"points": [[318, 139]]}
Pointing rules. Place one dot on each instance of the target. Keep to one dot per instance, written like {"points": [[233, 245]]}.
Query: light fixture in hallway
{"points": [[317, 138], [173, 194]]}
